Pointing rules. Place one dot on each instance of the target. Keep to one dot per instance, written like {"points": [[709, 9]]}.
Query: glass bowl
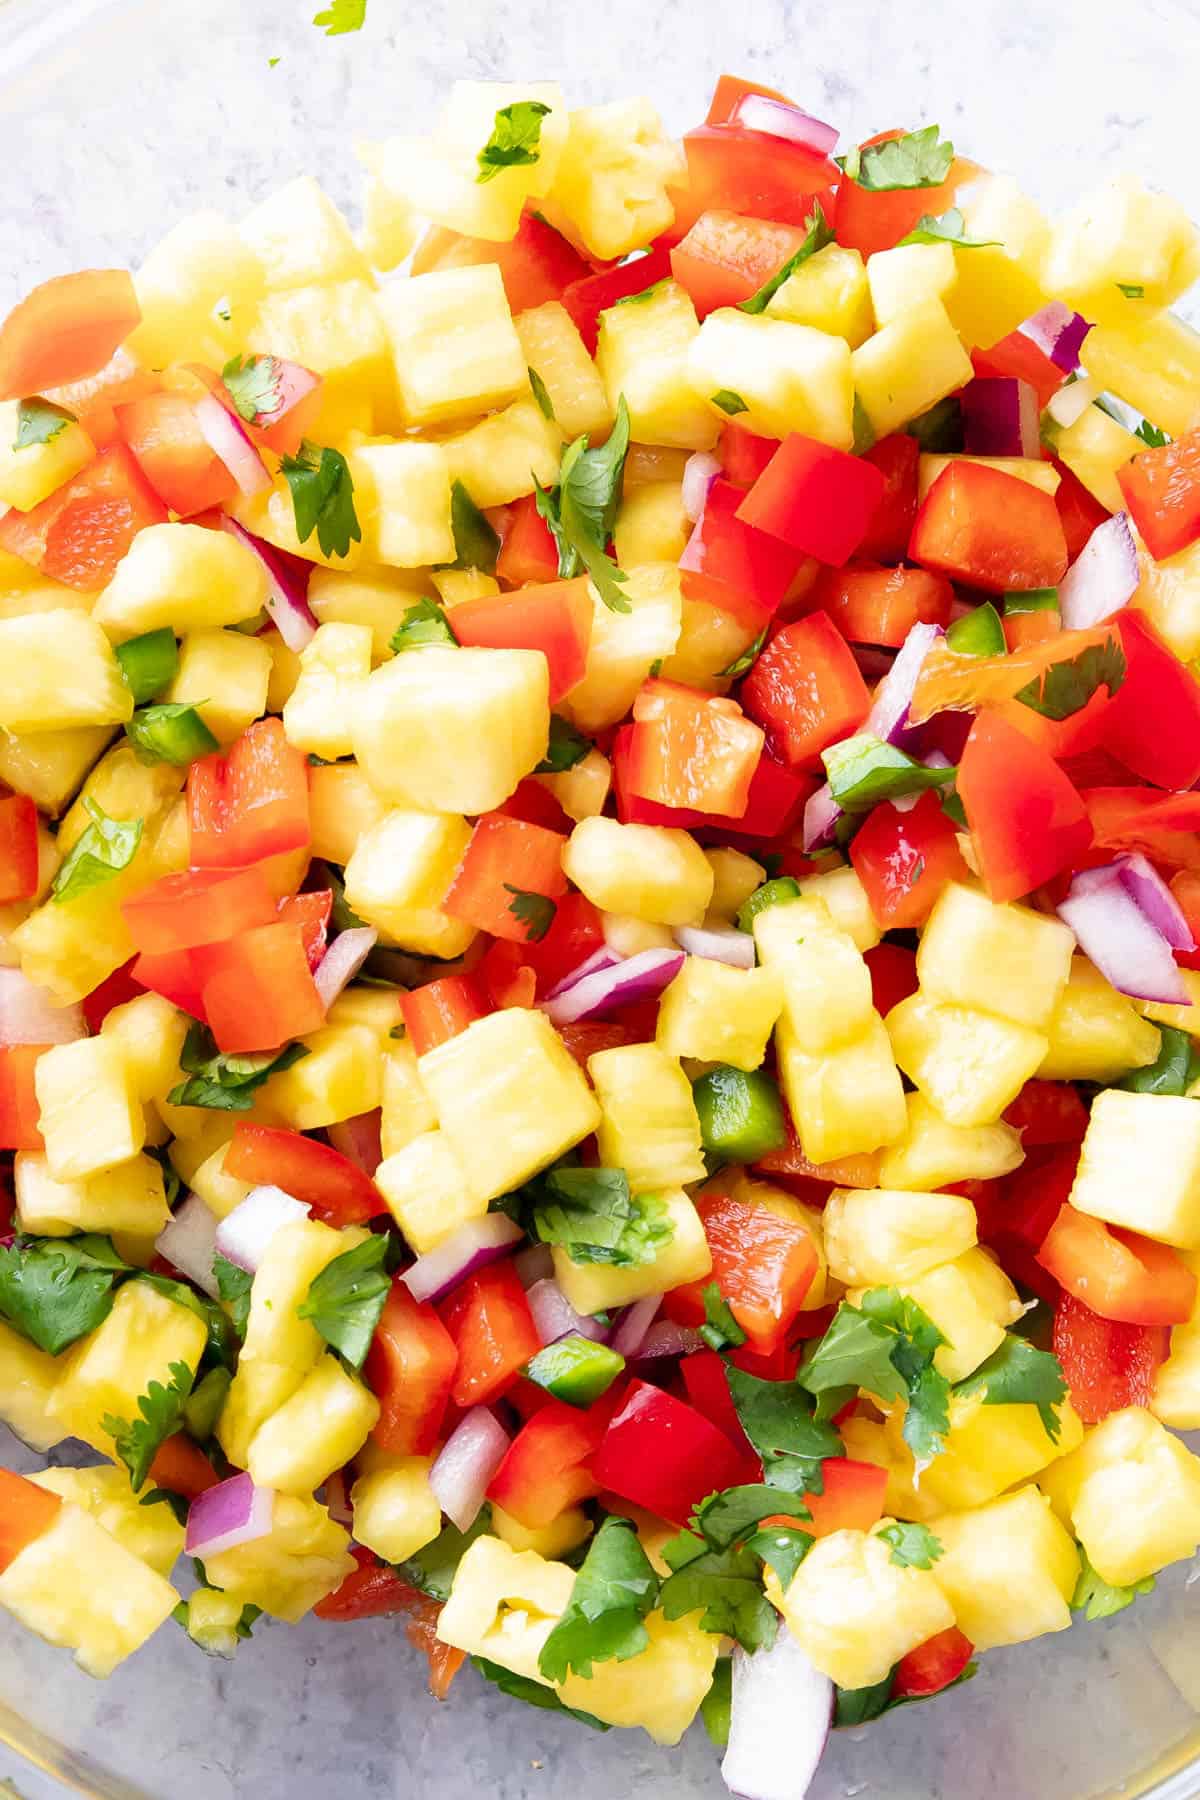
{"points": [[117, 116]]}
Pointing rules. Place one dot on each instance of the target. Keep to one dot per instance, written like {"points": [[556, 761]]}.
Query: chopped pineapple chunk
{"points": [[31, 474], [299, 236], [1140, 1165], [506, 455], [201, 264], [226, 676], [874, 1236], [1176, 1396], [1095, 1034], [151, 1533], [339, 1078], [913, 362], [610, 187], [303, 1557], [406, 487], [28, 1378], [845, 1101], [651, 872], [553, 348], [398, 874], [660, 1689], [971, 1301], [1121, 233], [908, 276], [625, 646], [648, 1124], [1007, 960], [934, 1154], [333, 666], [127, 1197], [108, 1370], [318, 1429], [396, 1512], [342, 806], [826, 984], [1131, 1494], [62, 676], [1008, 1569], [427, 1192], [830, 293], [407, 1108], [182, 576], [790, 377], [597, 1287], [504, 1604], [969, 1064], [849, 908], [455, 348], [652, 525], [91, 1116], [336, 329], [642, 353], [990, 1448], [1094, 448], [719, 1014]]}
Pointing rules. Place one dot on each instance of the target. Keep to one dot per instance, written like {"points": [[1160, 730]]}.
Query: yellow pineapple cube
{"points": [[184, 576], [1095, 448], [376, 1009], [652, 525], [1008, 1569], [318, 1429], [934, 1154], [648, 1124], [454, 345], [650, 872], [492, 705], [1153, 362], [106, 1371], [407, 1109], [78, 1588], [212, 1621], [342, 806], [905, 368], [150, 1033], [406, 491], [719, 1014], [151, 1533], [304, 1557], [642, 352], [709, 640], [735, 877], [1140, 1166], [71, 948], [625, 646], [337, 331], [333, 666], [504, 1604], [1006, 960], [91, 1118], [1184, 1015], [990, 1448], [610, 188], [660, 1689], [396, 1512], [219, 1191], [502, 457], [877, 1236], [554, 350], [212, 1135], [49, 765], [300, 237], [198, 271], [826, 984], [129, 1197], [908, 276], [509, 1096], [125, 788], [830, 293], [31, 474], [846, 898], [854, 1611], [583, 790], [397, 876], [791, 377], [970, 1065], [1169, 594], [225, 675], [28, 1378], [1036, 474], [1121, 233], [340, 1077], [453, 586], [284, 672], [375, 597], [563, 1534], [1095, 1033], [627, 936], [843, 1101], [62, 674], [685, 1256], [390, 224], [1176, 1396], [867, 1440], [972, 1302], [1132, 1496], [998, 283], [426, 1190]]}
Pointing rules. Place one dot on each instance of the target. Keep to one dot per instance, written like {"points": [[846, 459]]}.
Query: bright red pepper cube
{"points": [[818, 499]]}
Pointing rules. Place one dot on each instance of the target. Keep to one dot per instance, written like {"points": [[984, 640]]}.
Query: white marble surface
{"points": [[114, 118]]}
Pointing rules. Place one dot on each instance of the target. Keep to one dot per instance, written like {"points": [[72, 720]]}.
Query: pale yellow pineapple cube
{"points": [[304, 1557], [627, 936], [213, 1134], [1008, 1569], [854, 1611], [720, 1014], [213, 1620], [106, 1371], [1152, 361], [491, 705], [660, 1689], [337, 331], [1176, 1396], [826, 984], [830, 293], [563, 1534], [999, 282], [225, 675], [124, 788], [626, 645], [510, 1097], [300, 237], [151, 1533], [1036, 474], [990, 1448], [91, 1117], [342, 806], [972, 1302], [375, 597], [390, 225], [318, 1429], [396, 1512], [397, 876], [735, 877], [709, 641], [1121, 233], [1169, 594], [28, 1378], [969, 1064], [844, 1101], [1140, 1166], [1095, 1033], [71, 948], [454, 345], [427, 1192], [1006, 960], [62, 674], [791, 377], [504, 456], [129, 1197], [150, 1033], [333, 666], [934, 1154], [1132, 1496], [554, 350], [504, 1604], [610, 188], [651, 872], [846, 897], [220, 1191], [198, 271], [340, 1077], [78, 1588], [583, 790], [1185, 1016], [905, 368], [184, 576], [407, 1108], [648, 1124], [406, 490], [1095, 448], [453, 586], [31, 474], [867, 1440], [642, 352], [49, 765], [910, 275], [377, 1009], [652, 526], [877, 1236]]}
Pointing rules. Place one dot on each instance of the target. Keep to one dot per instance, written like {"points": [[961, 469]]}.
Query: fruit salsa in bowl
{"points": [[598, 888]]}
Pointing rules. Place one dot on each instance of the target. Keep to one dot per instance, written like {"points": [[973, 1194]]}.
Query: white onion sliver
{"points": [[243, 1235], [471, 1247], [779, 1720], [555, 1317], [342, 961], [189, 1240], [30, 1015], [1114, 933], [717, 943], [1103, 576], [227, 439], [776, 118], [630, 1332], [699, 472], [604, 958], [465, 1466], [821, 814], [635, 978], [234, 1512], [893, 697]]}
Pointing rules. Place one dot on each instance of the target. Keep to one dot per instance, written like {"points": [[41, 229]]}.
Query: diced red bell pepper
{"points": [[505, 861], [180, 1465], [114, 991], [1079, 510], [1030, 1199], [1118, 1274], [814, 497], [1107, 1365], [897, 459], [989, 530], [744, 455], [591, 295], [868, 220], [555, 619], [763, 1263], [257, 989], [311, 912], [775, 801], [730, 169], [584, 1038], [1185, 886], [893, 972], [18, 848], [1026, 820], [79, 533], [410, 1370], [174, 976], [19, 1109], [691, 749], [199, 906], [806, 692], [94, 399], [660, 1453], [533, 802], [728, 94], [790, 1161], [851, 1498], [1017, 357], [65, 329], [250, 803], [336, 1189], [1161, 826], [173, 453], [529, 553], [932, 1666], [1161, 488], [733, 566], [1047, 1112], [26, 1511], [372, 1591], [782, 1362], [547, 1467], [905, 859], [1153, 722], [442, 1009], [1022, 629], [489, 1319], [706, 1384], [535, 265], [726, 257], [872, 605], [574, 934]]}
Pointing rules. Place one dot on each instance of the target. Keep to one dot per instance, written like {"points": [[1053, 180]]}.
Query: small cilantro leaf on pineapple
{"points": [[913, 1546], [40, 422], [717, 1704], [919, 159], [137, 1441], [720, 1329], [566, 748], [476, 545], [252, 383], [55, 1290], [215, 1321], [345, 1300], [233, 1285], [818, 233], [1016, 1374], [594, 1217], [780, 1420], [534, 911], [886, 1346], [724, 1585], [734, 1516], [602, 1621], [946, 228], [1096, 1598], [729, 402], [541, 394], [322, 490], [1066, 687], [423, 624], [225, 1083], [432, 1569], [741, 665], [1132, 290], [783, 1548], [1151, 435], [341, 16], [515, 140], [581, 510], [101, 850], [534, 1693]]}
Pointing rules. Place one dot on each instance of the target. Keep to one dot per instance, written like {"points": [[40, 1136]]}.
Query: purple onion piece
{"points": [[555, 1317], [776, 118], [604, 958], [1116, 935], [635, 978], [473, 1246], [629, 1333], [1059, 332], [718, 943], [1000, 417]]}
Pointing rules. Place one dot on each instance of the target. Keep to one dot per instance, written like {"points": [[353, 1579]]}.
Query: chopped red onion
{"points": [[465, 1466], [358, 1140], [718, 943], [189, 1240], [1111, 928], [243, 1235], [293, 383], [232, 1513], [337, 1499], [1103, 577], [821, 814], [227, 438], [1000, 417], [287, 597], [30, 1015], [556, 1318], [471, 1247], [775, 118], [666, 1338], [636, 978], [699, 472], [534, 1264], [1059, 332], [604, 958], [1145, 886], [342, 961], [629, 1333], [1071, 402], [779, 1720]]}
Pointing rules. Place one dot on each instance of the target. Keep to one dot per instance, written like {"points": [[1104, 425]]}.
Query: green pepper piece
{"points": [[172, 732], [1030, 600], [202, 1408], [771, 893], [740, 1113], [575, 1369], [978, 633], [1172, 1071], [148, 663]]}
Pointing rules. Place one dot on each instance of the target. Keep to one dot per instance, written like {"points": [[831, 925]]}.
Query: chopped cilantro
{"points": [[136, 1442], [864, 770], [735, 1515], [741, 665], [1016, 1374], [886, 1346], [225, 1083], [580, 511], [476, 545], [602, 1622], [946, 228], [534, 911], [779, 1419], [1096, 1598], [55, 1290], [566, 748], [422, 625], [516, 136], [717, 1704], [720, 1329], [592, 1214], [919, 159], [729, 402], [252, 383], [40, 422], [1132, 290], [818, 233], [913, 1546], [322, 490], [725, 1586], [345, 1300], [1151, 435], [1065, 688], [541, 394], [101, 850], [534, 1693]]}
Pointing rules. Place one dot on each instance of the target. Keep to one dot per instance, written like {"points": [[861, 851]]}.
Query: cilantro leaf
{"points": [[101, 850], [1066, 687], [725, 1586], [593, 1215], [55, 1290], [720, 1328], [729, 402], [734, 1515], [341, 16], [885, 1346], [1097, 1598], [818, 233], [1016, 1374], [433, 1567], [541, 394], [778, 1418], [213, 1317], [345, 1300], [534, 911], [523, 1687], [423, 624], [476, 544], [864, 431], [717, 1704], [939, 428], [913, 1546], [252, 383], [783, 1548], [742, 664], [946, 228], [40, 422], [614, 1590], [1151, 435], [855, 1352], [566, 748], [515, 140], [643, 294], [233, 1285], [205, 1404], [863, 770], [919, 159], [581, 510], [136, 1442], [1132, 290], [322, 490], [225, 1083], [178, 1503]]}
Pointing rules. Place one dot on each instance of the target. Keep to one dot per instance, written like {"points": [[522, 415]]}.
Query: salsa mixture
{"points": [[600, 918]]}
